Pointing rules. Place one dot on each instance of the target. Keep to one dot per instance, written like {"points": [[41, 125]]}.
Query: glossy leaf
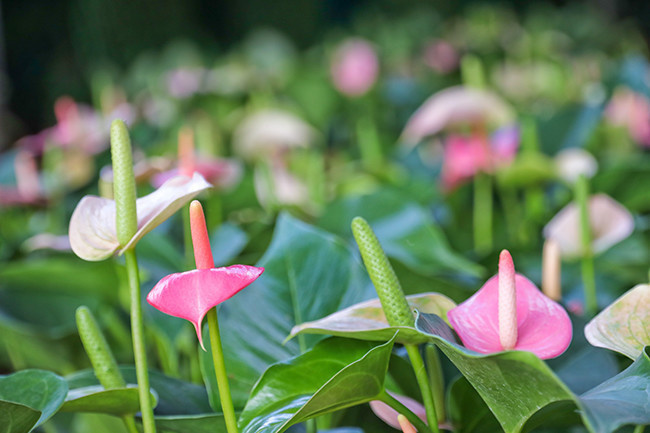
{"points": [[366, 320], [624, 326], [17, 418], [39, 390], [406, 231], [203, 423], [624, 399], [310, 274], [336, 374], [118, 401], [175, 397]]}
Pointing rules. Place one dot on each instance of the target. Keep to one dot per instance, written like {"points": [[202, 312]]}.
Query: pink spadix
{"points": [[190, 295], [510, 313]]}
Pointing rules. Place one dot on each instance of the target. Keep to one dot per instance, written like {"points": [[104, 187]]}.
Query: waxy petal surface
{"points": [[610, 223], [624, 326], [190, 295], [543, 327], [92, 226]]}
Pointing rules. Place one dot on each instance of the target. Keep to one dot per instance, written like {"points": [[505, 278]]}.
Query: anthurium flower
{"points": [[452, 107], [354, 67], [190, 295], [610, 223], [632, 111], [389, 415], [92, 226], [510, 313], [573, 162]]}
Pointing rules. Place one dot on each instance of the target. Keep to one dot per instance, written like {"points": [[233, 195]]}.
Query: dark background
{"points": [[49, 47]]}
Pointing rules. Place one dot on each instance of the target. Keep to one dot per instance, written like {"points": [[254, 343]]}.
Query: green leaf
{"points": [[309, 274], [624, 326], [624, 399], [204, 423], [504, 380], [366, 320], [118, 401], [175, 397], [406, 231], [336, 374], [39, 390], [467, 411], [17, 418]]}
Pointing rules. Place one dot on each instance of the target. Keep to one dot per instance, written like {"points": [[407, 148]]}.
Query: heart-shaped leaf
{"points": [[309, 274], [41, 391], [406, 231], [366, 320], [95, 398], [335, 374], [623, 326]]}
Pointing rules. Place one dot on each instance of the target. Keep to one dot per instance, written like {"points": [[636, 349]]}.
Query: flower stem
{"points": [[220, 371], [588, 273], [639, 429], [423, 382], [399, 407], [129, 423], [436, 380], [482, 212], [139, 351]]}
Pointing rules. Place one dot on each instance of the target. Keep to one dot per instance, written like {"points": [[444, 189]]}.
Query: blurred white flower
{"points": [[573, 162]]}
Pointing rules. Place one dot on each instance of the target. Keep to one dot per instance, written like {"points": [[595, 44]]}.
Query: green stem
{"points": [[139, 351], [482, 212], [220, 371], [436, 380], [588, 273], [369, 144], [400, 408], [639, 429], [423, 382], [129, 423]]}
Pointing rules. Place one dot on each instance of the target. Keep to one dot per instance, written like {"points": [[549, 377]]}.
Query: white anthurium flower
{"points": [[269, 133], [610, 223], [92, 230], [574, 162], [453, 106]]}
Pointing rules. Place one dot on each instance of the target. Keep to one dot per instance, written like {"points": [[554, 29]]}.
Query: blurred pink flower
{"points": [[465, 156], [540, 324], [389, 415], [441, 56], [632, 111], [453, 107], [610, 223], [27, 190], [354, 67], [184, 82], [276, 186]]}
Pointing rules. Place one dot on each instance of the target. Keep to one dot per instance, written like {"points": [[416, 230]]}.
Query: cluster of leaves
{"points": [[312, 270]]}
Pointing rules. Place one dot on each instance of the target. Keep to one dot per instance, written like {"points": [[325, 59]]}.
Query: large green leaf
{"points": [[309, 274], [95, 398], [205, 423], [335, 374], [366, 320], [175, 397], [41, 391], [406, 231], [624, 399]]}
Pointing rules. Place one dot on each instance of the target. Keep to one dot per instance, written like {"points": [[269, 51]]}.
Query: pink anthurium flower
{"points": [[92, 225], [190, 295], [610, 223], [354, 67], [389, 415], [632, 111], [510, 313]]}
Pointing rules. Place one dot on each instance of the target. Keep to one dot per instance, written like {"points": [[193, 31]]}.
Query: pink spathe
{"points": [[190, 295], [543, 326], [355, 67]]}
